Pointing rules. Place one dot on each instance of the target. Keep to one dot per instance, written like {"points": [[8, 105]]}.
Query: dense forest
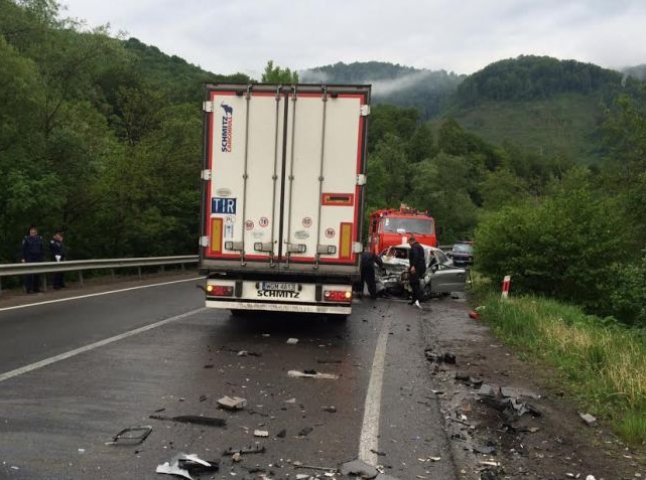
{"points": [[98, 135], [101, 136]]}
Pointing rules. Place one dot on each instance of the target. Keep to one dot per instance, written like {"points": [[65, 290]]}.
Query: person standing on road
{"points": [[368, 260], [57, 251], [32, 251], [416, 270]]}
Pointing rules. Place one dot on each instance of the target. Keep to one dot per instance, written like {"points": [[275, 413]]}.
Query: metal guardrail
{"points": [[79, 266]]}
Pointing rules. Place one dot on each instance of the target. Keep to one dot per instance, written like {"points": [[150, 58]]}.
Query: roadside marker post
{"points": [[506, 284]]}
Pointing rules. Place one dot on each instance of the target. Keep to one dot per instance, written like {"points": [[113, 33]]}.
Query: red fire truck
{"points": [[393, 227]]}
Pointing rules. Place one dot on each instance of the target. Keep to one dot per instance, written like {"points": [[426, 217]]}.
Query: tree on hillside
{"points": [[275, 74]]}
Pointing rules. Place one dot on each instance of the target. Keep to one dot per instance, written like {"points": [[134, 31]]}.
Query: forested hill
{"points": [[426, 90], [181, 80]]}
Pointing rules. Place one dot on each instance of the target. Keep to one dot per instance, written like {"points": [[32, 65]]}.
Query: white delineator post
{"points": [[506, 284]]}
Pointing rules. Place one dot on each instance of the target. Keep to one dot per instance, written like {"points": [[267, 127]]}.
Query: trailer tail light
{"points": [[345, 250], [216, 235], [219, 290], [337, 296]]}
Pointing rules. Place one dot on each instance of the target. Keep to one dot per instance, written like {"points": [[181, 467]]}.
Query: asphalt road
{"points": [[63, 396]]}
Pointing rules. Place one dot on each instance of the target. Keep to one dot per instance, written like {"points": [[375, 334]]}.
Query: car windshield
{"points": [[462, 248], [441, 257], [397, 253], [408, 225]]}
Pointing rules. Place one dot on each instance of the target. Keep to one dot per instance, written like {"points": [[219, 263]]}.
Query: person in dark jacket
{"points": [[57, 251], [32, 251], [368, 260], [416, 270]]}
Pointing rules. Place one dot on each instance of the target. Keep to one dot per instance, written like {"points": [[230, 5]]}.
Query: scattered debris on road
{"points": [[305, 431], [292, 341], [232, 403], [131, 435], [329, 409], [261, 433], [194, 419], [312, 374], [474, 315]]}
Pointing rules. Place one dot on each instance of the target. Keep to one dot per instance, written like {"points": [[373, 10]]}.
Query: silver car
{"points": [[441, 276]]}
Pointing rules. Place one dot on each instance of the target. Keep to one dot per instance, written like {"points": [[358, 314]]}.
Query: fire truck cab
{"points": [[390, 227]]}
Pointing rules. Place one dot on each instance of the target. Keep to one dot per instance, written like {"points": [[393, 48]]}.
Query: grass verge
{"points": [[602, 364]]}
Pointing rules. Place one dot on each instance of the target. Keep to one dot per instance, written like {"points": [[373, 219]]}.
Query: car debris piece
{"points": [[281, 434], [516, 392], [236, 457], [487, 390], [590, 420], [383, 476], [329, 409], [131, 435], [184, 465], [590, 477], [292, 341], [474, 315], [305, 432], [447, 357], [257, 448], [194, 419], [232, 403], [358, 468], [312, 374], [261, 433]]}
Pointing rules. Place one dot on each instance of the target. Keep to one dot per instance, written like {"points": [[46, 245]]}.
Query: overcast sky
{"points": [[456, 35]]}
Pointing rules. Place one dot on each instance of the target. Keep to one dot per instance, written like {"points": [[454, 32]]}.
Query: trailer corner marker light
{"points": [[216, 235], [345, 250]]}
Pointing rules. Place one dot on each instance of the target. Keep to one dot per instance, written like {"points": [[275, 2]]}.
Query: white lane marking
{"points": [[92, 346], [369, 440], [79, 297]]}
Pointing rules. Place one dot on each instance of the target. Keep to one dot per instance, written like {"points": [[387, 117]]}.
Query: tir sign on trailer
{"points": [[284, 173]]}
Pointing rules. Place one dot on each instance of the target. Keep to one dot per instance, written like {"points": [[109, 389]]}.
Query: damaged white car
{"points": [[441, 277]]}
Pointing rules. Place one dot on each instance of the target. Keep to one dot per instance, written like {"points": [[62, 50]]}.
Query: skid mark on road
{"points": [[369, 440], [72, 353], [89, 295]]}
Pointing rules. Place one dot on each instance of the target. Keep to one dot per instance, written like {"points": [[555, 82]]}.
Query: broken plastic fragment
{"points": [[232, 403], [183, 465], [194, 419], [292, 341], [317, 375], [359, 469], [260, 433], [131, 435]]}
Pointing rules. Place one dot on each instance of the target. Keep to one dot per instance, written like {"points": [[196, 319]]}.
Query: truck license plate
{"points": [[278, 286]]}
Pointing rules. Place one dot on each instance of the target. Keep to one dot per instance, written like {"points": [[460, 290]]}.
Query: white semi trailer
{"points": [[283, 194]]}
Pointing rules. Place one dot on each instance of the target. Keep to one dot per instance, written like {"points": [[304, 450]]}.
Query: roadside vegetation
{"points": [[599, 361]]}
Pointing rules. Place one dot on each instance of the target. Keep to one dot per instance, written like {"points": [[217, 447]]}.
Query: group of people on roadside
{"points": [[33, 250], [416, 271]]}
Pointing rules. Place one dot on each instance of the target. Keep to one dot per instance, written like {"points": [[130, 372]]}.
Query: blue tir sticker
{"points": [[223, 205]]}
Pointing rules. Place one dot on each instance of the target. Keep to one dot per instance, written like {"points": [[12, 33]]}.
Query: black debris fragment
{"points": [[448, 357], [194, 419], [305, 431], [282, 434], [257, 448]]}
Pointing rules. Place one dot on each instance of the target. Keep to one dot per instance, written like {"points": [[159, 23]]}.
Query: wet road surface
{"points": [[162, 354]]}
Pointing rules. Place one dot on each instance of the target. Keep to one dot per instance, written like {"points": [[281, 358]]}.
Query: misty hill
{"points": [[426, 90], [638, 71]]}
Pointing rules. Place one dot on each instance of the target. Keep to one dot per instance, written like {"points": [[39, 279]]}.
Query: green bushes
{"points": [[563, 246]]}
